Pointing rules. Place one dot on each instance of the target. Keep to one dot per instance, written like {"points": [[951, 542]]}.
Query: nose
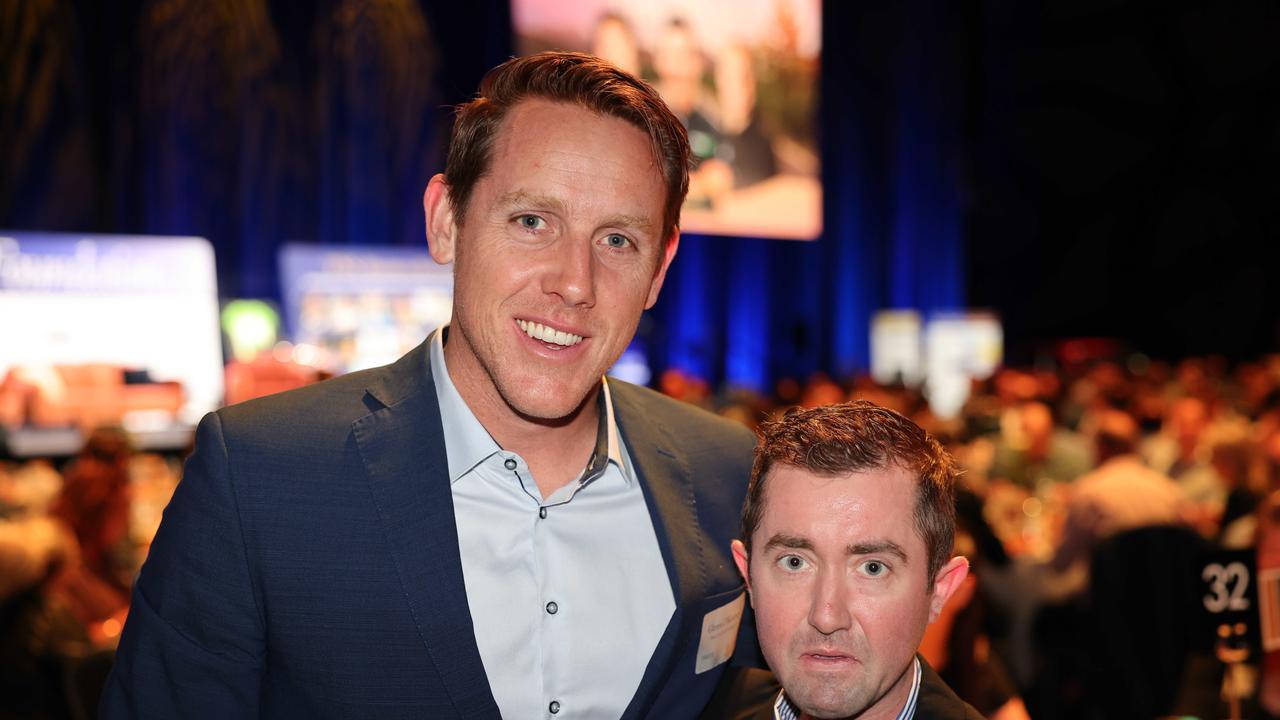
{"points": [[571, 274], [829, 607]]}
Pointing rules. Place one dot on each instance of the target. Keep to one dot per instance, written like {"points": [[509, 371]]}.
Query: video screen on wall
{"points": [[363, 307], [743, 77], [108, 330]]}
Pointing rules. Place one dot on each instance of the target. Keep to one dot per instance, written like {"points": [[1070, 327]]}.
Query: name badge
{"points": [[719, 634]]}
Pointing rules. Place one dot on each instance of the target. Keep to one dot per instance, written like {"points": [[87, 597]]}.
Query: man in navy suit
{"points": [[485, 527]]}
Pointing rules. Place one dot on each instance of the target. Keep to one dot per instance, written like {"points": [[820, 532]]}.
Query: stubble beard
{"points": [[830, 697], [507, 387]]}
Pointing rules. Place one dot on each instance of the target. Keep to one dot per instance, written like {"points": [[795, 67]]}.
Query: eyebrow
{"points": [[793, 542], [635, 222], [878, 547], [520, 197], [868, 547]]}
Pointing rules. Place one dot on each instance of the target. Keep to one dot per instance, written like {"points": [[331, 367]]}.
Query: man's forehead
{"points": [[523, 123], [544, 149], [888, 479], [852, 505]]}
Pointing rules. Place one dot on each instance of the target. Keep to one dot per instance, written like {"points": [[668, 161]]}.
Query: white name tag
{"points": [[719, 634]]}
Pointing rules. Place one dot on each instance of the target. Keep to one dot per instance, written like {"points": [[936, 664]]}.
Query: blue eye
{"points": [[875, 568], [531, 222], [792, 563], [617, 241]]}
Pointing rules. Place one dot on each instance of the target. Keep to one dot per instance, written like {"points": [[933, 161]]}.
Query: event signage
{"points": [[144, 304], [1229, 600]]}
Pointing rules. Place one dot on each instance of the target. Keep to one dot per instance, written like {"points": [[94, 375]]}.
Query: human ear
{"points": [[742, 560], [945, 584], [442, 229], [668, 254]]}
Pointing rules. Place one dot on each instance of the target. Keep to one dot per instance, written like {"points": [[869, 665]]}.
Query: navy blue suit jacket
{"points": [[308, 563]]}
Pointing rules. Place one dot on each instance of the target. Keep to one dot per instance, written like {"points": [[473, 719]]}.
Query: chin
{"points": [[544, 399], [829, 698], [825, 712]]}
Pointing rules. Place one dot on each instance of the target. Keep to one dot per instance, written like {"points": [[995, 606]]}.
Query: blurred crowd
{"points": [[71, 541], [1063, 473]]}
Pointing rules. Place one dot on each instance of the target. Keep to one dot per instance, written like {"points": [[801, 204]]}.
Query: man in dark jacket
{"points": [[847, 535], [486, 527]]}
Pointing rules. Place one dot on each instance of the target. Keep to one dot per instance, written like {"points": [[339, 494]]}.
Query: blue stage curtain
{"points": [[259, 122], [376, 124], [48, 178], [216, 133], [926, 250], [748, 322], [893, 158], [689, 295]]}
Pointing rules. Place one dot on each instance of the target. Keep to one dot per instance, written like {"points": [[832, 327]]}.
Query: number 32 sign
{"points": [[1228, 582], [1228, 587]]}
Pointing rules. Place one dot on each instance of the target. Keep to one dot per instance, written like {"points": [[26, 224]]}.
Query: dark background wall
{"points": [[1082, 168], [1125, 172]]}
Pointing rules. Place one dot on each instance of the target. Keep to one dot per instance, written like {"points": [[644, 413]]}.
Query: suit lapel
{"points": [[402, 445], [664, 475]]}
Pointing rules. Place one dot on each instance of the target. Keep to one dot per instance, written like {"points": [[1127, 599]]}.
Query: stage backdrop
{"points": [[256, 124]]}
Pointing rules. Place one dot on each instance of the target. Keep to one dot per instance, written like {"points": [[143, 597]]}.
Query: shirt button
{"points": [[554, 707], [509, 464], [542, 513], [552, 608]]}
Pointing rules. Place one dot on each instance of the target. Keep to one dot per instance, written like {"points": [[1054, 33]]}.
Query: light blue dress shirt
{"points": [[569, 594]]}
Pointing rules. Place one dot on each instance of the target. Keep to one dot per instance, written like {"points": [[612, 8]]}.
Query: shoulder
{"points": [[339, 400], [707, 456], [322, 415], [937, 701], [743, 694], [682, 421]]}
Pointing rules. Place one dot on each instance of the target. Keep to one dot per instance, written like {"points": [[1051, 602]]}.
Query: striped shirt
{"points": [[784, 710]]}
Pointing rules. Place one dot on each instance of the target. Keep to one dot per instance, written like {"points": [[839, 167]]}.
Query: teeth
{"points": [[538, 331]]}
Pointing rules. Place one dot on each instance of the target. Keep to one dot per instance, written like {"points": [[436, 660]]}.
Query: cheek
{"points": [[780, 611], [627, 283], [894, 621]]}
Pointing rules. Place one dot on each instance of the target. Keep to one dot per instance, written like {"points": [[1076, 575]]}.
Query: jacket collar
{"points": [[663, 471], [401, 443]]}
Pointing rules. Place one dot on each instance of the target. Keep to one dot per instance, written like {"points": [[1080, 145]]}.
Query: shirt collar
{"points": [[467, 443], [784, 710]]}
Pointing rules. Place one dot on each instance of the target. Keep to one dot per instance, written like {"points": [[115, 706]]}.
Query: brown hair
{"points": [[574, 78], [835, 440]]}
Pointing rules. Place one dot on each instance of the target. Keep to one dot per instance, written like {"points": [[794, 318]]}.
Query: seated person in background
{"points": [[1122, 494], [94, 504], [1035, 450], [847, 531], [1183, 451], [1233, 461]]}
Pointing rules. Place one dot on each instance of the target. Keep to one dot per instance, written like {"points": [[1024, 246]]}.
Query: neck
{"points": [[556, 449]]}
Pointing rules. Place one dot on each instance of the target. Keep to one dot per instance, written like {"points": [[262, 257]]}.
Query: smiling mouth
{"points": [[548, 334]]}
